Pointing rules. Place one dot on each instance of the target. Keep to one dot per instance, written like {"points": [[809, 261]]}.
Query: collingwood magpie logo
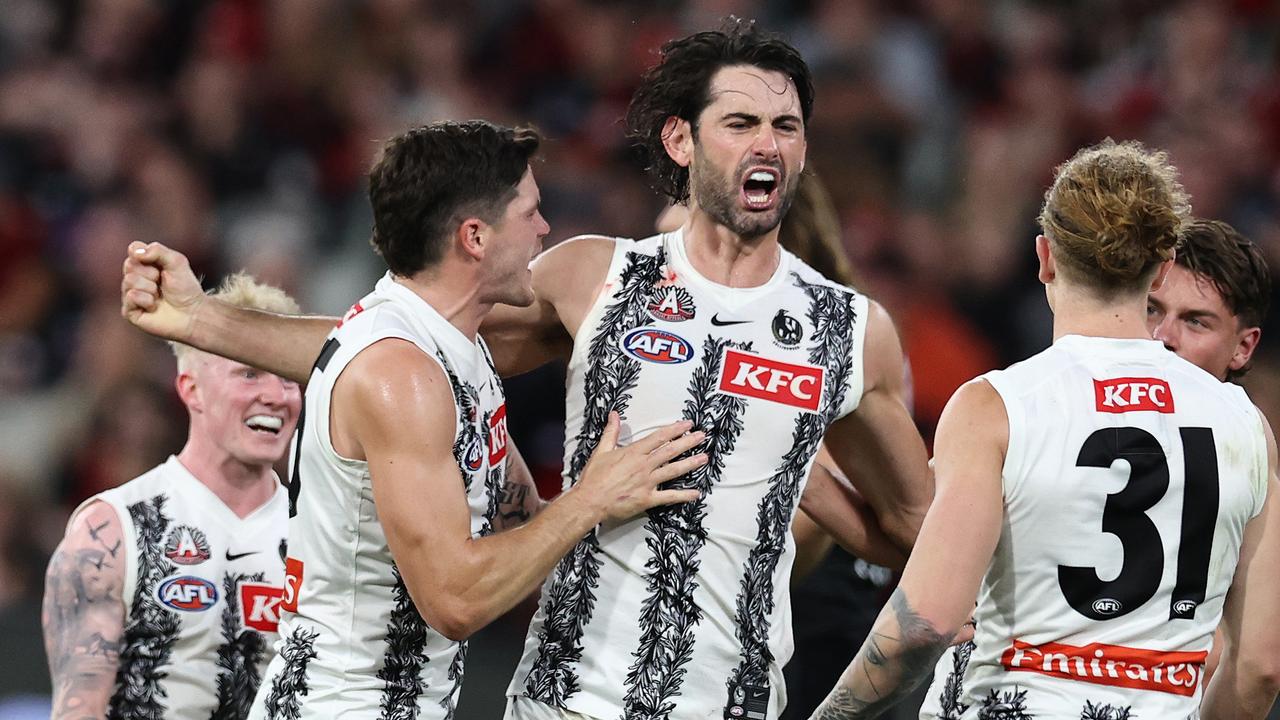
{"points": [[787, 330]]}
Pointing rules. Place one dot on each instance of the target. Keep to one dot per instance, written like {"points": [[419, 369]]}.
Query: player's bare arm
{"points": [[162, 296], [1248, 675], [835, 505], [878, 446], [567, 279], [940, 583], [519, 500], [83, 614], [394, 407]]}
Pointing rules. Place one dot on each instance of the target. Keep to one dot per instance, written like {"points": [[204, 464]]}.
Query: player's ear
{"points": [[471, 237], [1048, 268], [1161, 275], [1247, 343], [677, 138], [186, 385]]}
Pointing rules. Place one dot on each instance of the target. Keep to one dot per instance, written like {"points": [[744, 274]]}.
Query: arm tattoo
{"points": [[512, 505], [83, 618], [899, 653]]}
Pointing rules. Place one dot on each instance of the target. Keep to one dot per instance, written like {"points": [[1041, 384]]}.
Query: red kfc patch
{"points": [[498, 436], [260, 606], [1132, 394], [756, 376], [292, 584]]}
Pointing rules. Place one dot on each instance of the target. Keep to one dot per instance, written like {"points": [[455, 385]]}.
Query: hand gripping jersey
{"points": [[1129, 479], [352, 642], [684, 612], [201, 593]]}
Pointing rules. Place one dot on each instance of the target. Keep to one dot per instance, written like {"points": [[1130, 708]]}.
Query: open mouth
{"points": [[759, 192], [265, 424]]}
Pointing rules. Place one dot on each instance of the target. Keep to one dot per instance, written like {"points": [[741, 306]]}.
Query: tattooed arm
{"points": [[83, 614], [952, 552], [520, 500]]}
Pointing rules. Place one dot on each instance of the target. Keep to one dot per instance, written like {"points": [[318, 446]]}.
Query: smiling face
{"points": [[748, 150], [1189, 316], [514, 240], [246, 414]]}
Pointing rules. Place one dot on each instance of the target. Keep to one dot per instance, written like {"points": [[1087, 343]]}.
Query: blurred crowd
{"points": [[240, 131]]}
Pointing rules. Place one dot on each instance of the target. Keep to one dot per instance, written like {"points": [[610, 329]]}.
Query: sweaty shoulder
{"points": [[390, 385]]}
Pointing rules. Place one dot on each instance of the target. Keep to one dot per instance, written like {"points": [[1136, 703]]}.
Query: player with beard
{"points": [[684, 612], [1105, 456], [161, 599], [1209, 311]]}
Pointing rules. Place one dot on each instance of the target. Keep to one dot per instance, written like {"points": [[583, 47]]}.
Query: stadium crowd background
{"points": [[240, 131]]}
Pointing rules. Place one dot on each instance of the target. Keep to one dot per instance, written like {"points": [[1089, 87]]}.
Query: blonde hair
{"points": [[1114, 212], [242, 290]]}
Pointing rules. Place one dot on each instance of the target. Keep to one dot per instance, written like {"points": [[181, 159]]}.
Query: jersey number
{"points": [[1125, 516]]}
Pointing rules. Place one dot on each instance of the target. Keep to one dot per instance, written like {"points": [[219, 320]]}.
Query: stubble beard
{"points": [[717, 196]]}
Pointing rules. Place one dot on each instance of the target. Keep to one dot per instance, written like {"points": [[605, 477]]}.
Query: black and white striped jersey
{"points": [[684, 612], [353, 644], [201, 594]]}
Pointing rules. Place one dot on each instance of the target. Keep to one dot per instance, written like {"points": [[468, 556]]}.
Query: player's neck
{"points": [[1076, 312], [242, 487], [725, 257], [455, 295]]}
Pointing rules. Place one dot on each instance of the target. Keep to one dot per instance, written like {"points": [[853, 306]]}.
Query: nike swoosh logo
{"points": [[715, 320], [236, 556]]}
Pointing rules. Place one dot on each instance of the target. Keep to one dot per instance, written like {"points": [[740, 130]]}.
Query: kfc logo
{"points": [[260, 606], [1122, 395], [292, 584], [756, 376], [657, 346], [498, 436]]}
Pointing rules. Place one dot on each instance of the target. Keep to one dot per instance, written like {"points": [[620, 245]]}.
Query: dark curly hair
{"points": [[680, 83], [433, 177]]}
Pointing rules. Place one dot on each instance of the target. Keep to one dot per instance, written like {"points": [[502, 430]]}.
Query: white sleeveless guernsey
{"points": [[684, 612], [352, 642], [1129, 479], [201, 593]]}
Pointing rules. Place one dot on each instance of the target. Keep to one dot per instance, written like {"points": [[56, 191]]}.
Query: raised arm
{"points": [[1248, 675], [567, 278], [83, 615], [878, 446], [937, 591], [393, 406], [161, 295]]}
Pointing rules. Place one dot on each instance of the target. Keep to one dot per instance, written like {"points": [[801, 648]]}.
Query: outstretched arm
{"points": [[938, 587], [878, 446], [83, 615], [161, 295], [567, 278], [1248, 674]]}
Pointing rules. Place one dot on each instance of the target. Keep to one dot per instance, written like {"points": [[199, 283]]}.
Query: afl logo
{"points": [[1106, 606], [1184, 608], [475, 456], [188, 593], [657, 346]]}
